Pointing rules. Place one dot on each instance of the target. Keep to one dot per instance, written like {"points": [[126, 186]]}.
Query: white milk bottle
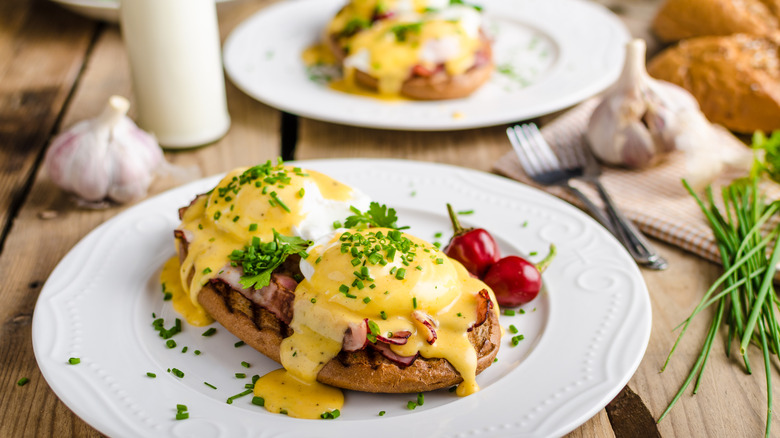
{"points": [[174, 52]]}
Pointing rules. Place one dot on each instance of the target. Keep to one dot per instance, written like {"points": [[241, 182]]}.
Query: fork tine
{"points": [[530, 149], [528, 160], [541, 146]]}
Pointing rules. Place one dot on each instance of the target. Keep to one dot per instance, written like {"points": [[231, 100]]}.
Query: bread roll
{"points": [[680, 19], [735, 78]]}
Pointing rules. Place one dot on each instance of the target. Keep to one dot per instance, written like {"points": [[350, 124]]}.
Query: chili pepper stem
{"points": [[456, 226], [545, 262]]}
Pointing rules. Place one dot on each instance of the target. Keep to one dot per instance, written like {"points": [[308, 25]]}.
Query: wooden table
{"points": [[57, 68]]}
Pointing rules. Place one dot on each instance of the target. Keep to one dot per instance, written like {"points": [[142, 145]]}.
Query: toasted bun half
{"points": [[364, 370]]}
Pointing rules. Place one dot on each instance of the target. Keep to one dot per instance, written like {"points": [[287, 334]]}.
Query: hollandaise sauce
{"points": [[182, 303], [283, 392]]}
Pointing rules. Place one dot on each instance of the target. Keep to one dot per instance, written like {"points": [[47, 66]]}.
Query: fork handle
{"points": [[597, 212], [636, 243]]}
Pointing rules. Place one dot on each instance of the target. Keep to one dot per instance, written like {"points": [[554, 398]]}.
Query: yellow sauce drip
{"points": [[284, 393], [182, 304]]}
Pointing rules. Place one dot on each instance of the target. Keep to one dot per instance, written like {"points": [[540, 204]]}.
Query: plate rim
{"points": [[609, 75]]}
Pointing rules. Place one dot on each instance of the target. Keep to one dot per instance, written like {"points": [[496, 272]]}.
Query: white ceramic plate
{"points": [[106, 10], [584, 335], [559, 52]]}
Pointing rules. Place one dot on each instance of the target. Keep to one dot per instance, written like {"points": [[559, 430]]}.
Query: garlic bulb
{"points": [[105, 158], [641, 118]]}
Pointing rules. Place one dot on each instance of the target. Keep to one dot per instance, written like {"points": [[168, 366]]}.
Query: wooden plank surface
{"points": [[42, 53]]}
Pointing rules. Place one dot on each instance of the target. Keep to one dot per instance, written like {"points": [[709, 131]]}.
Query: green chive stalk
{"points": [[744, 294]]}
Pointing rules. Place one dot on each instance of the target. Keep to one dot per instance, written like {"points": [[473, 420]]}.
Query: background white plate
{"points": [[584, 335], [561, 51]]}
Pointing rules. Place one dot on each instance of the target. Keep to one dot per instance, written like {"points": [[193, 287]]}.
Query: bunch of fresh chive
{"points": [[744, 295]]}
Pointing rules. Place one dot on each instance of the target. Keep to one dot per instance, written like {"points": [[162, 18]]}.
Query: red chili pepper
{"points": [[475, 248], [515, 280]]}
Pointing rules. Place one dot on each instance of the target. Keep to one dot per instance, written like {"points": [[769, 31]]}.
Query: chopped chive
{"points": [[184, 350], [235, 219], [239, 344], [167, 296], [23, 381], [437, 235], [400, 273], [209, 332], [512, 328], [252, 227], [152, 375], [516, 339], [466, 212], [313, 300], [381, 413], [509, 312], [418, 267], [367, 300], [411, 405], [245, 364], [209, 385], [383, 315], [74, 361], [240, 376], [258, 401], [170, 343], [182, 415], [439, 261], [275, 197], [197, 352], [420, 398], [414, 302], [344, 288], [241, 394]]}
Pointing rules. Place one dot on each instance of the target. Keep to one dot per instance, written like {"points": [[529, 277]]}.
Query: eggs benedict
{"points": [[420, 49], [365, 307]]}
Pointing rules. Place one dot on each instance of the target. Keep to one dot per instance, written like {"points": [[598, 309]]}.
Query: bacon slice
{"points": [[484, 306], [399, 338]]}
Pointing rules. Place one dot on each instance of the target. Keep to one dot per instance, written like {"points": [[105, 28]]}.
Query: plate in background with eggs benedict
{"points": [[544, 60], [584, 335]]}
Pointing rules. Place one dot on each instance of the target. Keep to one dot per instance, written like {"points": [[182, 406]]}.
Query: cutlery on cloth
{"points": [[543, 166]]}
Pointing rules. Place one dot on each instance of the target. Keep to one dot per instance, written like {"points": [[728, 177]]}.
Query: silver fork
{"points": [[544, 167]]}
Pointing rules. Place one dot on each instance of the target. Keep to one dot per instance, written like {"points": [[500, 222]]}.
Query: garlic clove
{"points": [[105, 158], [640, 119]]}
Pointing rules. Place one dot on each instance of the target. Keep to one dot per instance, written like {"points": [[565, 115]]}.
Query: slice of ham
{"points": [[428, 324], [399, 338], [356, 336], [383, 348], [277, 297]]}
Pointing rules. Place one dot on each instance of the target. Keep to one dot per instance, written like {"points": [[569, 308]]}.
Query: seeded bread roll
{"points": [[680, 19], [363, 370], [736, 78]]}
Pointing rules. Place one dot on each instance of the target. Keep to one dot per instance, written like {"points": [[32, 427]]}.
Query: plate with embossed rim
{"points": [[546, 61], [585, 334]]}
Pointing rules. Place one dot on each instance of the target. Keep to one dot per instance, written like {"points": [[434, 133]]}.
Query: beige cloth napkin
{"points": [[653, 198]]}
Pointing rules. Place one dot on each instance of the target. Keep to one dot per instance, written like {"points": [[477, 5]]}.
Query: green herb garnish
{"points": [[260, 259]]}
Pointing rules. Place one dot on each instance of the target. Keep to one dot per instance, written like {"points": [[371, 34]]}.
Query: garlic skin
{"points": [[105, 158], [641, 118]]}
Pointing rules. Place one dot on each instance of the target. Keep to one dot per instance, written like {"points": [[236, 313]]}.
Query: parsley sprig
{"points": [[378, 215], [259, 259]]}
